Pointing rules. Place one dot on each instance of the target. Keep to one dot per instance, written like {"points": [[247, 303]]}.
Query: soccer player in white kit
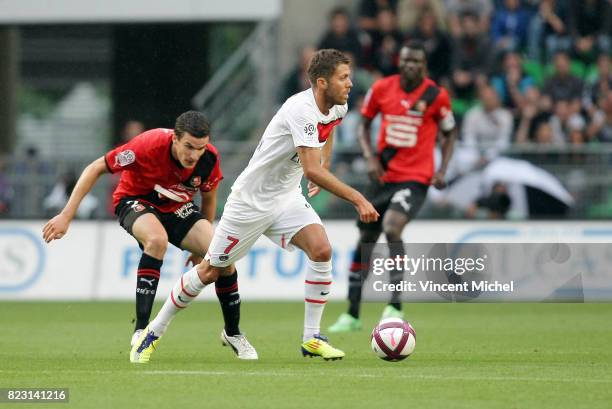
{"points": [[267, 199]]}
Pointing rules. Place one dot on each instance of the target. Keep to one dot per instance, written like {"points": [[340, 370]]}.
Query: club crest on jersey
{"points": [[421, 106], [418, 109], [124, 158], [196, 181]]}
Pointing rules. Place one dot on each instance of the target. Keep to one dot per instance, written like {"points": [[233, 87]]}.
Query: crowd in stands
{"points": [[532, 71]]}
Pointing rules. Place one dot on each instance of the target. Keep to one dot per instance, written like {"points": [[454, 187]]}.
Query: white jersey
{"points": [[274, 170]]}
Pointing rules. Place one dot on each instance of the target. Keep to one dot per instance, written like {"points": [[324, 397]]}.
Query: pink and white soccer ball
{"points": [[393, 339]]}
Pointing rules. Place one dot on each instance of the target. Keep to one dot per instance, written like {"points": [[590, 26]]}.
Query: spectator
{"points": [[509, 26], [590, 25], [562, 85], [534, 125], [549, 29], [599, 85], [131, 129], [436, 43], [386, 42], [487, 127], [496, 204], [567, 126], [368, 12], [513, 84], [297, 80], [341, 36], [470, 57], [600, 128], [409, 14], [480, 9], [55, 201]]}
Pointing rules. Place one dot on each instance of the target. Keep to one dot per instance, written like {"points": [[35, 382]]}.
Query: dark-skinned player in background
{"points": [[413, 109]]}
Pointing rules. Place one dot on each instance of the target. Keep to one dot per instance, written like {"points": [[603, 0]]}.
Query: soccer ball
{"points": [[393, 339]]}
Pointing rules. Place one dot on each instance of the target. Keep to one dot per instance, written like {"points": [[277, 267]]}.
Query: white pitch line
{"points": [[405, 376], [412, 376]]}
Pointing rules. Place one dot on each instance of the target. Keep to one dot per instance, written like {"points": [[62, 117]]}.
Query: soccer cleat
{"points": [[392, 312], [241, 346], [319, 346], [345, 323], [135, 337], [144, 347]]}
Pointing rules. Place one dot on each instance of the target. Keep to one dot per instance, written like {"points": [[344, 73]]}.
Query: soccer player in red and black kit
{"points": [[413, 108], [161, 170]]}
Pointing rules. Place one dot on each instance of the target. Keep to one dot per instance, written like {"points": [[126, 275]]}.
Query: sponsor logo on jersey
{"points": [[125, 157]]}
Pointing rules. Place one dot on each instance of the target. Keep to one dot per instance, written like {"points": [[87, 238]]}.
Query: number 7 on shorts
{"points": [[233, 242]]}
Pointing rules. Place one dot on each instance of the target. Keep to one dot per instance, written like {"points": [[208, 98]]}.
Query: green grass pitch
{"points": [[467, 356]]}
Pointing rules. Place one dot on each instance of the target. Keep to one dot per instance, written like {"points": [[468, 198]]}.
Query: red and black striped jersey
{"points": [[410, 122], [151, 174]]}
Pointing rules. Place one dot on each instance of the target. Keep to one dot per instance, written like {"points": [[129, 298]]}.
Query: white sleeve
{"points": [[303, 127]]}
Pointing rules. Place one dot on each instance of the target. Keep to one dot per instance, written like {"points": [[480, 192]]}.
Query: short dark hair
{"points": [[416, 45], [192, 122], [338, 11], [324, 62]]}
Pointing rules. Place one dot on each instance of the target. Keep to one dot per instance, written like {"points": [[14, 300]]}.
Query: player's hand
{"points": [[194, 259], [439, 181], [56, 228], [375, 170], [313, 189], [367, 212]]}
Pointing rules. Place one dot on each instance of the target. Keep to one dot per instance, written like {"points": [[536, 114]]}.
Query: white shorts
{"points": [[241, 226]]}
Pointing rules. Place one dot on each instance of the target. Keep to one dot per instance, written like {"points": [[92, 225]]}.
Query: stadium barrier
{"points": [[97, 260]]}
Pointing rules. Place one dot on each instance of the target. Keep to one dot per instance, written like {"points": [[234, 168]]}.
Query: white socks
{"points": [[317, 285], [186, 289]]}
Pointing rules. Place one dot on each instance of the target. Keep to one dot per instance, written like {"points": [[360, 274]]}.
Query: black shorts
{"points": [[177, 224], [405, 197]]}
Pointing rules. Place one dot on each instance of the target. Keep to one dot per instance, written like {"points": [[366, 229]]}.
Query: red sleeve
{"points": [[215, 175], [370, 104], [126, 156]]}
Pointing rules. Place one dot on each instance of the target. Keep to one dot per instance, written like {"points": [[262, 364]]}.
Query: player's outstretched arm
{"points": [[57, 227], [310, 158]]}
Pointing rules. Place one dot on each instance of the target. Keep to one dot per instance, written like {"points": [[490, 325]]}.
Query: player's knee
{"points": [[156, 245], [392, 232], [321, 252]]}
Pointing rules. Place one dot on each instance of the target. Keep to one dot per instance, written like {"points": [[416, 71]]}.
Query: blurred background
{"points": [[530, 83], [529, 80]]}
